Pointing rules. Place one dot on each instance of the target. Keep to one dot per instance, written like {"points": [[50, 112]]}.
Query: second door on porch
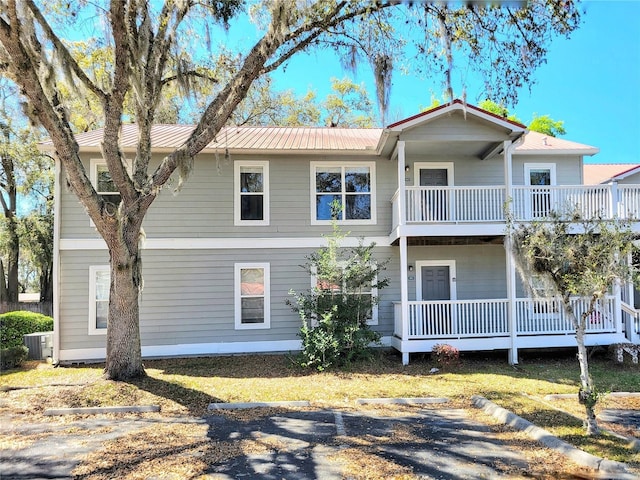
{"points": [[435, 201], [436, 288]]}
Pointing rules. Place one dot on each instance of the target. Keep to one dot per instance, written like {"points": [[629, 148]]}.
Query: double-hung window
{"points": [[350, 187], [102, 182], [251, 202], [99, 281], [252, 296], [338, 289]]}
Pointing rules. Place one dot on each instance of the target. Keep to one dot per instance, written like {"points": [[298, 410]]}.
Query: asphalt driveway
{"points": [[438, 443]]}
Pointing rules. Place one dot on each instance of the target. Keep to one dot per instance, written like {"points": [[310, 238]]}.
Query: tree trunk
{"points": [[46, 285], [124, 354], [13, 255], [3, 284], [587, 395]]}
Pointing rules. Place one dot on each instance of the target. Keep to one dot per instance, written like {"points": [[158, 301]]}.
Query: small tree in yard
{"points": [[335, 311], [569, 257]]}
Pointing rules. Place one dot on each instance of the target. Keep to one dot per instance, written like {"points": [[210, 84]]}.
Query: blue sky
{"points": [[591, 81]]}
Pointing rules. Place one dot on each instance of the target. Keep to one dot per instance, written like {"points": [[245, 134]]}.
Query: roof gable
{"points": [[455, 105]]}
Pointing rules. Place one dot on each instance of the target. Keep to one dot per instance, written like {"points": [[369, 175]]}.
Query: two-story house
{"points": [[220, 257]]}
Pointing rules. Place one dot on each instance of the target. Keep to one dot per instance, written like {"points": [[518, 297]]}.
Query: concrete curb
{"points": [[245, 405], [578, 456], [99, 410], [401, 401], [560, 396]]}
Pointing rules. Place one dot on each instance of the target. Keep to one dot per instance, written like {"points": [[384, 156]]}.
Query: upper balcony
{"points": [[480, 210]]}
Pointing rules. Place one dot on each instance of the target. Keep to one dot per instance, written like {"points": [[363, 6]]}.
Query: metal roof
{"points": [[313, 140], [277, 139]]}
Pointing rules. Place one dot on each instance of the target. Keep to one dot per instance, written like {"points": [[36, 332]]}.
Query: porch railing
{"points": [[629, 201], [535, 202], [545, 317], [487, 203], [455, 204], [457, 319], [489, 318]]}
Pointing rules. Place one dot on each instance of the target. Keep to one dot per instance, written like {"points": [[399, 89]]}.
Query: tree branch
{"points": [[62, 50]]}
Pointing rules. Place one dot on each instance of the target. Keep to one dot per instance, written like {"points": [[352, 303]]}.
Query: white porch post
{"points": [[615, 201], [402, 188], [404, 297], [404, 285], [510, 265]]}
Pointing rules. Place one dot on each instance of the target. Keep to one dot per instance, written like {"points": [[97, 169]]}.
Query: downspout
{"points": [[56, 261]]}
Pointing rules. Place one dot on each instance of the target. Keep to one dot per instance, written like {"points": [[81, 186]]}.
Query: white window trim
{"points": [[93, 177], [417, 166], [374, 294], [539, 166], [238, 267], [312, 191], [93, 269], [237, 194], [436, 263]]}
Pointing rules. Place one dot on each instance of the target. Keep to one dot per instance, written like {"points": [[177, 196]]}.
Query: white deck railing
{"points": [[546, 317], [455, 204], [458, 319], [487, 204], [629, 201], [488, 318], [531, 202]]}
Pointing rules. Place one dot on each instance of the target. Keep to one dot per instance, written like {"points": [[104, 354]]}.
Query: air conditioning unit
{"points": [[40, 345]]}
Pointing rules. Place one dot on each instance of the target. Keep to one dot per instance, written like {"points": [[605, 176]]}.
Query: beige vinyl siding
{"points": [[188, 296], [204, 206], [480, 269]]}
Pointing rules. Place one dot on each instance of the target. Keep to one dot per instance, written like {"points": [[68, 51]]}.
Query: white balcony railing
{"points": [[430, 205], [629, 202], [455, 204], [488, 318], [591, 201]]}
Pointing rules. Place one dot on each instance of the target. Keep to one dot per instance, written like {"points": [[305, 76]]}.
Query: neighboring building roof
{"points": [[536, 143], [249, 139], [627, 173], [595, 173]]}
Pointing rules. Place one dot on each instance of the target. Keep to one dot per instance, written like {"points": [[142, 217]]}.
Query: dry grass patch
{"points": [[367, 464]]}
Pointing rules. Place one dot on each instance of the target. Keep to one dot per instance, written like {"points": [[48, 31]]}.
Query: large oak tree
{"points": [[152, 48]]}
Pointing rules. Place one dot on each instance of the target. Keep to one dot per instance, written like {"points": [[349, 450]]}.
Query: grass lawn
{"points": [[187, 386]]}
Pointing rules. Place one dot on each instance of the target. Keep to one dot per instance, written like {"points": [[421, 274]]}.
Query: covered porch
{"points": [[487, 324]]}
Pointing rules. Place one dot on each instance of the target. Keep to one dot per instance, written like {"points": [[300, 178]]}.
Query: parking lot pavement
{"points": [[432, 444], [438, 443], [628, 418]]}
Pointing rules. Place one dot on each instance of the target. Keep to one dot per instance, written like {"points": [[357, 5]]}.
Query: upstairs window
{"points": [[350, 186], [102, 182], [251, 181]]}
